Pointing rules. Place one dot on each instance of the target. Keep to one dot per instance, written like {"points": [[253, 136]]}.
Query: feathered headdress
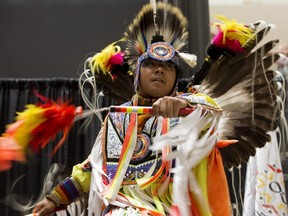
{"points": [[166, 24], [159, 31]]}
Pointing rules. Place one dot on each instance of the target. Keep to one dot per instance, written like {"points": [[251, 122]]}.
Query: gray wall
{"points": [[52, 38]]}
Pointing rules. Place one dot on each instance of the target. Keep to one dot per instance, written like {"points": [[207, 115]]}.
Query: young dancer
{"points": [[165, 162]]}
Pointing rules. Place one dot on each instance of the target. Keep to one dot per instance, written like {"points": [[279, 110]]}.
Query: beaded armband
{"points": [[65, 192], [202, 99]]}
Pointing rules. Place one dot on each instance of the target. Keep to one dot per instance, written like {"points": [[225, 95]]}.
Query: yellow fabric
{"points": [[137, 201], [82, 177], [200, 172], [156, 199], [209, 100]]}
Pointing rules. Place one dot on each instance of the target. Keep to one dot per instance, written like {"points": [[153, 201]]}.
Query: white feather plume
{"points": [[190, 59]]}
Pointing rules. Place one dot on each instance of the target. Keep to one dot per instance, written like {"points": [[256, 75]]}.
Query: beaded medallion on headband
{"points": [[160, 51]]}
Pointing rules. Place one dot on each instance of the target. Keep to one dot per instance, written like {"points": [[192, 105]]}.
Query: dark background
{"points": [[52, 38]]}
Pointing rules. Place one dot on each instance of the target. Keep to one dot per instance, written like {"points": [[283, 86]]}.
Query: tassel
{"points": [[34, 128]]}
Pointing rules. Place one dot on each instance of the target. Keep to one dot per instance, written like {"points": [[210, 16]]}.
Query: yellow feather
{"points": [[31, 117], [233, 30], [99, 62]]}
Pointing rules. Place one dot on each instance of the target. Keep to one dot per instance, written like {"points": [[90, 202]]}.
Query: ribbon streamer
{"points": [[145, 110]]}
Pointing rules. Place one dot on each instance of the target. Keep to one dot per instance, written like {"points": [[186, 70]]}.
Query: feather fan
{"points": [[242, 84]]}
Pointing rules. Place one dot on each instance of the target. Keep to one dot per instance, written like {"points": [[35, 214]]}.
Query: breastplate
{"points": [[143, 158]]}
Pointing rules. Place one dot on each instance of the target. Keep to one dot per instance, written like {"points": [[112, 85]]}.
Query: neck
{"points": [[138, 100]]}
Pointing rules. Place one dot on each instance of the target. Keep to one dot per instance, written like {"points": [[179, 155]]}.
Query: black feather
{"points": [[246, 90], [172, 29]]}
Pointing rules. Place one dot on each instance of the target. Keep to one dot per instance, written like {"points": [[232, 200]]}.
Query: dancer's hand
{"points": [[44, 207], [169, 106]]}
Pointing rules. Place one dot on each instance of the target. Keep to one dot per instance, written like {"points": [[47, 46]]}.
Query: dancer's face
{"points": [[157, 79]]}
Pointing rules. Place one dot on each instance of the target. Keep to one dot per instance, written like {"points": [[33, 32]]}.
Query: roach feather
{"points": [[171, 23]]}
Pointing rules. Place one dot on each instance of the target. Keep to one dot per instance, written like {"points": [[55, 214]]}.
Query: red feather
{"points": [[59, 117], [34, 128]]}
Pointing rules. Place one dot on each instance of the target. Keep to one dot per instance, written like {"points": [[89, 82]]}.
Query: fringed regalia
{"points": [[146, 179]]}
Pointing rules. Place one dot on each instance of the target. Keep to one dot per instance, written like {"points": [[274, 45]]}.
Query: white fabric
{"points": [[96, 187], [264, 187], [75, 208], [190, 151]]}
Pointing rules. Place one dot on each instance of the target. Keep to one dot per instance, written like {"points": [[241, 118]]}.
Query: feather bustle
{"points": [[249, 100]]}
